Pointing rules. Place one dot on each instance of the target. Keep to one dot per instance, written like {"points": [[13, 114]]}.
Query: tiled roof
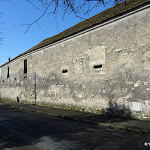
{"points": [[97, 19]]}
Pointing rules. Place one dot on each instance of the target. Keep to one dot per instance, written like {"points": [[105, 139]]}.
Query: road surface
{"points": [[22, 130]]}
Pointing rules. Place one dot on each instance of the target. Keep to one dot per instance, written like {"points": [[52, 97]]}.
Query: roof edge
{"points": [[103, 13]]}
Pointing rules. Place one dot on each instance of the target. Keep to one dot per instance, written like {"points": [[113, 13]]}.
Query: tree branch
{"points": [[78, 7]]}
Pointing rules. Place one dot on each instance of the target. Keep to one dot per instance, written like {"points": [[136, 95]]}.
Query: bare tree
{"points": [[1, 33], [78, 7]]}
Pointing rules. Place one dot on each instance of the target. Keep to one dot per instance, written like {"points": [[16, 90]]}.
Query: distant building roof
{"points": [[95, 20]]}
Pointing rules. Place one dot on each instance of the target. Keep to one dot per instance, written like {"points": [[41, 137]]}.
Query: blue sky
{"points": [[19, 12]]}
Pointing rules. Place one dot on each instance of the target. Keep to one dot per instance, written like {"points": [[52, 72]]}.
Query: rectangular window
{"points": [[25, 66], [97, 66], [64, 71], [8, 72]]}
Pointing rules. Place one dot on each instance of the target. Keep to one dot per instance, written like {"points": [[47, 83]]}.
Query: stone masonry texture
{"points": [[104, 69]]}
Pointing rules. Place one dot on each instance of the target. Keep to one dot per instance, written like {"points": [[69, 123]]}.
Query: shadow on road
{"points": [[21, 130]]}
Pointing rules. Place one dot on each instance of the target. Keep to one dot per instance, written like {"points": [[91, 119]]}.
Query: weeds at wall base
{"points": [[102, 112]]}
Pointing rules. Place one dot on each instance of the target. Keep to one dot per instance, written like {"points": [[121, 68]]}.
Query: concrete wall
{"points": [[121, 50]]}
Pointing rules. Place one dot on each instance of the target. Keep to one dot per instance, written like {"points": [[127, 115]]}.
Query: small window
{"points": [[97, 66], [64, 71], [8, 72], [25, 66]]}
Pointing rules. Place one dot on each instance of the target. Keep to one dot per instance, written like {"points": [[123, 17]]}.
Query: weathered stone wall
{"points": [[0, 83], [0, 90], [108, 68]]}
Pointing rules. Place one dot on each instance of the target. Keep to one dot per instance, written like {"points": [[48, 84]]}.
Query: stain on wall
{"points": [[105, 68]]}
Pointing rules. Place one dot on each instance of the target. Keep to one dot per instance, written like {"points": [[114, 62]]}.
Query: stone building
{"points": [[100, 64]]}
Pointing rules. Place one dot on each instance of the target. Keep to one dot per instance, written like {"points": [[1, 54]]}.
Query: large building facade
{"points": [[103, 67]]}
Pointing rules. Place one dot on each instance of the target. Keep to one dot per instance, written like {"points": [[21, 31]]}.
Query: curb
{"points": [[126, 128], [52, 115], [106, 125]]}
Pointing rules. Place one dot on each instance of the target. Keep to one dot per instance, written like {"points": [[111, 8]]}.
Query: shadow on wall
{"points": [[117, 110], [114, 113]]}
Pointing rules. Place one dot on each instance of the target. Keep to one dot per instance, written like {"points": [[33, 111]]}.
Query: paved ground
{"points": [[131, 125], [23, 130]]}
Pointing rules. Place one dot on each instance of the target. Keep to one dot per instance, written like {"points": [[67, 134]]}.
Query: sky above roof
{"points": [[16, 13]]}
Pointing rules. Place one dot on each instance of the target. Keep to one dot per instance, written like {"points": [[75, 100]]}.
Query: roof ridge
{"points": [[107, 14]]}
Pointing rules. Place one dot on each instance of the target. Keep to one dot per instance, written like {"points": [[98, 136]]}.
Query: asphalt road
{"points": [[21, 130]]}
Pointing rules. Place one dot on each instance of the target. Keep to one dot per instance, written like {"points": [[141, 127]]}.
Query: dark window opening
{"points": [[64, 71], [8, 72], [97, 66], [17, 99], [25, 66]]}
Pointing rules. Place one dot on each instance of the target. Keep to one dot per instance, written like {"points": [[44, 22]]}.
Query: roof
{"points": [[88, 23]]}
